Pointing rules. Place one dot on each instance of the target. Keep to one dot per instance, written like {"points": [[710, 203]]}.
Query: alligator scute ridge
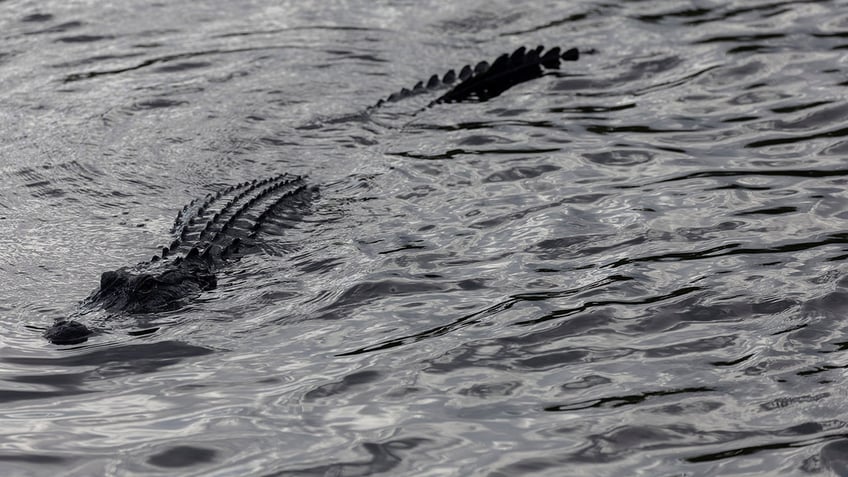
{"points": [[213, 231]]}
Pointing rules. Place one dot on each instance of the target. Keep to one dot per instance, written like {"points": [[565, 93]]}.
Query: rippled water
{"points": [[637, 266]]}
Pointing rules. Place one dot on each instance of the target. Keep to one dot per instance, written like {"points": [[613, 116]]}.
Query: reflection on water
{"points": [[632, 265]]}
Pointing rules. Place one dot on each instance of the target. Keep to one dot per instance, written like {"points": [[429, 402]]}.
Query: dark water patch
{"points": [[580, 245], [127, 359], [732, 362], [739, 38], [606, 130], [34, 458], [182, 456], [37, 18], [741, 119], [480, 139], [403, 248], [592, 110], [183, 66], [57, 380], [84, 38], [628, 400], [273, 141], [60, 28], [800, 107], [770, 211], [814, 173], [13, 395], [673, 15], [746, 451], [736, 249], [493, 124], [727, 12], [157, 103], [554, 360], [458, 153]]}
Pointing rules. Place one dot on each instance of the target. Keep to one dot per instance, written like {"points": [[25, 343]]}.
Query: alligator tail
{"points": [[484, 81]]}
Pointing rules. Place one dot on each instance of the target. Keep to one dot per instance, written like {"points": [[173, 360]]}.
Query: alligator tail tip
{"points": [[571, 55]]}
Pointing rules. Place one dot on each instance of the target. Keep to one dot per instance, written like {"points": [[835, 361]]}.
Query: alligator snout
{"points": [[67, 332]]}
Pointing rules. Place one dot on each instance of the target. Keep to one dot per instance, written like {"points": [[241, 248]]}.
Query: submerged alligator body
{"points": [[210, 233]]}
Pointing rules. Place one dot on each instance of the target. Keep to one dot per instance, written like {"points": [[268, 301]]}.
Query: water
{"points": [[636, 267]]}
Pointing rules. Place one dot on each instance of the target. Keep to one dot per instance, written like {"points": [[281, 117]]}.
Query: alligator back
{"points": [[215, 227]]}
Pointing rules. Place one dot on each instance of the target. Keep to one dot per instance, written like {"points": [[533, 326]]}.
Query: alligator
{"points": [[210, 233]]}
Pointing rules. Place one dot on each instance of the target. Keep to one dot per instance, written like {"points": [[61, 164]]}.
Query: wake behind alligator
{"points": [[215, 231]]}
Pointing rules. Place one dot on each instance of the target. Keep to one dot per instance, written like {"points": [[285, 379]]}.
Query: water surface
{"points": [[635, 266]]}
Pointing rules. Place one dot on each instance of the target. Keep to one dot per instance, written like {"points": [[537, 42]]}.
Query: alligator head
{"points": [[139, 290], [208, 234]]}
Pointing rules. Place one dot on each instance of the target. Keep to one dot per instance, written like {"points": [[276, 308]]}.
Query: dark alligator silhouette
{"points": [[210, 233]]}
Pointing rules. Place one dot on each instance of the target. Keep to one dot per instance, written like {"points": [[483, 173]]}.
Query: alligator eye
{"points": [[146, 286]]}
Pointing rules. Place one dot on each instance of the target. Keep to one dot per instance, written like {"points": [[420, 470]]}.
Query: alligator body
{"points": [[210, 233], [207, 235]]}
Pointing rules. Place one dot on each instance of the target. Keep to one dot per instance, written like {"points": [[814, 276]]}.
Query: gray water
{"points": [[634, 267]]}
